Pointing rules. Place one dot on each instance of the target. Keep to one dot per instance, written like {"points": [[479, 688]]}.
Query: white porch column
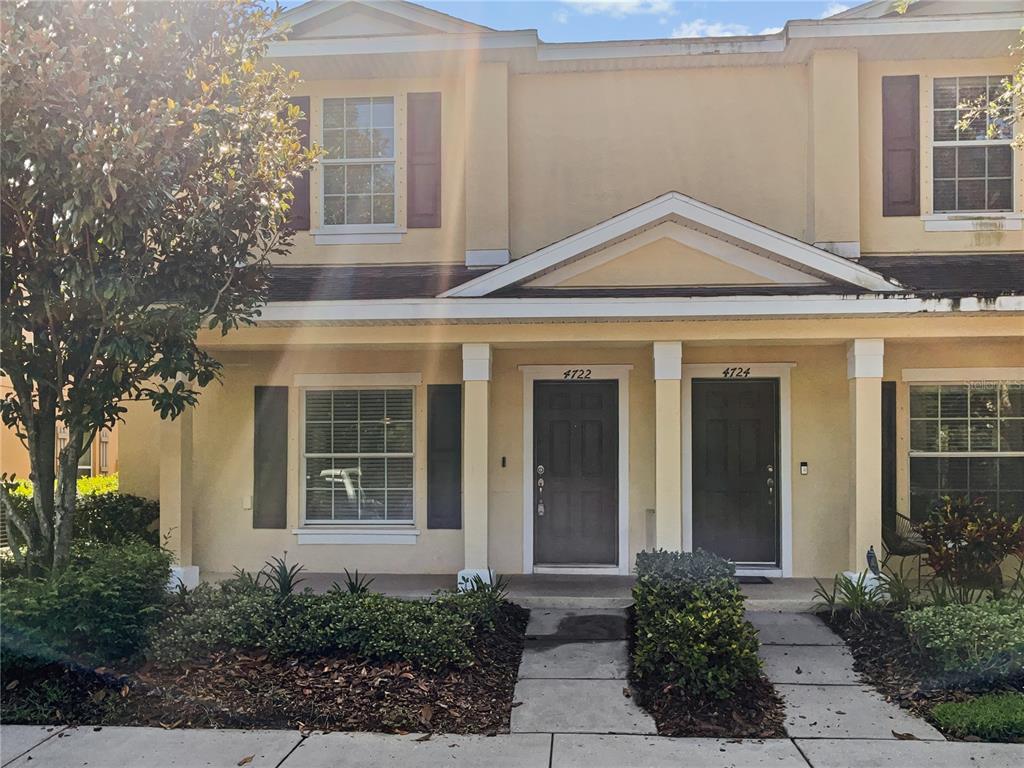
{"points": [[864, 369], [668, 486], [476, 374], [176, 494]]}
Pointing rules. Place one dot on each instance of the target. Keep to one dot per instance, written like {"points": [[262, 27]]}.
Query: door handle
{"points": [[540, 490]]}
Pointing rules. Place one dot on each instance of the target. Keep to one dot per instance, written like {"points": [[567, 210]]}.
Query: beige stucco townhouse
{"points": [[553, 304]]}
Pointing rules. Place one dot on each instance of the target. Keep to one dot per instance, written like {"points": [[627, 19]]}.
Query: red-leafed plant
{"points": [[967, 545]]}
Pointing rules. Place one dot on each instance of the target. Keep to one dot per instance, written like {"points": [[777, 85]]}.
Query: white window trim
{"points": [[355, 234], [532, 373], [359, 527], [972, 221], [778, 371], [332, 534]]}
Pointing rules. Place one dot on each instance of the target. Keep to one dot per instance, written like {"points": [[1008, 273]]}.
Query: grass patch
{"points": [[992, 717]]}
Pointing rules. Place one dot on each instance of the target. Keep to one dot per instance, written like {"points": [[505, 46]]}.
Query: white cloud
{"points": [[620, 8], [561, 16], [833, 9], [770, 30], [702, 28]]}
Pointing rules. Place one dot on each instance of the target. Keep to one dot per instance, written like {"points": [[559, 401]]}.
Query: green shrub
{"points": [[970, 643], [690, 625], [98, 610], [102, 513], [992, 717], [241, 614]]}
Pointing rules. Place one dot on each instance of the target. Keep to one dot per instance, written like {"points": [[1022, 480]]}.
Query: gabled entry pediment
{"points": [[675, 240], [370, 18], [670, 254]]}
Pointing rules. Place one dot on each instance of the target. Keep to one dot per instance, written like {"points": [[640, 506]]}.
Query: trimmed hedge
{"points": [[239, 614], [979, 642], [99, 610], [992, 717], [690, 627]]}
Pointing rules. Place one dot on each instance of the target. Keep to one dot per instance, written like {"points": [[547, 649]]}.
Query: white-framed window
{"points": [[967, 440], [358, 455], [358, 138], [972, 166]]}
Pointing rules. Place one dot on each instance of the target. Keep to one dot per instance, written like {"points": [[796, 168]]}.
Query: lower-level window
{"points": [[358, 455], [967, 440]]}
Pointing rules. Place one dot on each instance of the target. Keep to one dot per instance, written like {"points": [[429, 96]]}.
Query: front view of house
{"points": [[553, 304]]}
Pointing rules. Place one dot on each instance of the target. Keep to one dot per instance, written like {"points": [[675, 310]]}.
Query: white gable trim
{"points": [[417, 14], [771, 271], [696, 214]]}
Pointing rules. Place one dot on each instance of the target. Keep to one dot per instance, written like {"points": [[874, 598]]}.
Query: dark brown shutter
{"points": [[299, 218], [889, 454], [270, 458], [444, 456], [901, 159], [424, 207]]}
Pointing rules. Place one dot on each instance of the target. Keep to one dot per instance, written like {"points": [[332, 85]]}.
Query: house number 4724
{"points": [[735, 373]]}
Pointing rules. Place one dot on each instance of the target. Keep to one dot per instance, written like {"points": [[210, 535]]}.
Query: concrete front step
{"points": [[580, 661], [809, 665]]}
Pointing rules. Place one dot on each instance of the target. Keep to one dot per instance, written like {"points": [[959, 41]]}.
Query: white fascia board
{"points": [[1000, 22], [601, 308], [633, 49], [355, 46], [408, 11], [674, 204]]}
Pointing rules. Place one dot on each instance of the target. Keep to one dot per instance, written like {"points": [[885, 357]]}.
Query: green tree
{"points": [[147, 159]]}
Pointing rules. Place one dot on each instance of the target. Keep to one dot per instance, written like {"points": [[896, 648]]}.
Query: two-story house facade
{"points": [[553, 304]]}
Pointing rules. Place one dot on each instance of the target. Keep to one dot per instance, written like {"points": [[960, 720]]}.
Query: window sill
{"points": [[972, 222], [371, 235], [355, 535]]}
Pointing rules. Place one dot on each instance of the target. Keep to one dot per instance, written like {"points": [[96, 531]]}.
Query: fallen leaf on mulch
{"points": [[245, 760], [424, 737]]}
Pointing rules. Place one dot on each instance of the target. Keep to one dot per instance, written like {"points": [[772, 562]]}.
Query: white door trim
{"points": [[532, 373], [778, 371]]}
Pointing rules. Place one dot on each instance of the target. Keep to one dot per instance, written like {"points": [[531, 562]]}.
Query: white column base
{"points": [[466, 576], [188, 575]]}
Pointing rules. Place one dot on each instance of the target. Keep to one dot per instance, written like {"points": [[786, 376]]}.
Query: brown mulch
{"points": [[341, 693], [756, 712], [886, 657]]}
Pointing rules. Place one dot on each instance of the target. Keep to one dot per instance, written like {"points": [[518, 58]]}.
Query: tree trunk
{"points": [[42, 453], [65, 498]]}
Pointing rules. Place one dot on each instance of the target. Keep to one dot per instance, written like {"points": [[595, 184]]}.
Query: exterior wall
{"points": [[139, 451], [223, 430], [591, 145], [446, 243], [906, 234]]}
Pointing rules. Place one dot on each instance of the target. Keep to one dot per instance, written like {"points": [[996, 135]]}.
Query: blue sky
{"points": [[575, 20]]}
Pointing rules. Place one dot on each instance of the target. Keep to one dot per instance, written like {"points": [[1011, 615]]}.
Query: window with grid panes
{"points": [[967, 440], [358, 456], [359, 161], [972, 166]]}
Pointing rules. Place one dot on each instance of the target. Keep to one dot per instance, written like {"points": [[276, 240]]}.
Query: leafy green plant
{"points": [[967, 545], [281, 577], [497, 586], [979, 642], [898, 586], [98, 610], [354, 584], [690, 629], [992, 717], [857, 596]]}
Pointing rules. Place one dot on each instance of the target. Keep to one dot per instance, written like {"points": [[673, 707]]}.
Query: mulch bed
{"points": [[884, 655], [339, 693], [756, 712]]}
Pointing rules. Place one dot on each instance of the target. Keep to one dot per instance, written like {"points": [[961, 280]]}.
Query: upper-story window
{"points": [[972, 165], [359, 164]]}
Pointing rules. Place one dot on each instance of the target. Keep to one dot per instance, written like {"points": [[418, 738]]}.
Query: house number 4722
{"points": [[735, 373], [576, 373]]}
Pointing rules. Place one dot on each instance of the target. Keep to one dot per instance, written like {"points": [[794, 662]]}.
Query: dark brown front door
{"points": [[575, 473], [735, 469]]}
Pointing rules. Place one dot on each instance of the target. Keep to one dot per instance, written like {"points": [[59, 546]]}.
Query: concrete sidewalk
{"points": [[35, 747]]}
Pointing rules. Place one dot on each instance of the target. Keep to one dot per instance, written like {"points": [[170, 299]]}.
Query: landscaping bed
{"points": [[253, 652], [694, 662]]}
